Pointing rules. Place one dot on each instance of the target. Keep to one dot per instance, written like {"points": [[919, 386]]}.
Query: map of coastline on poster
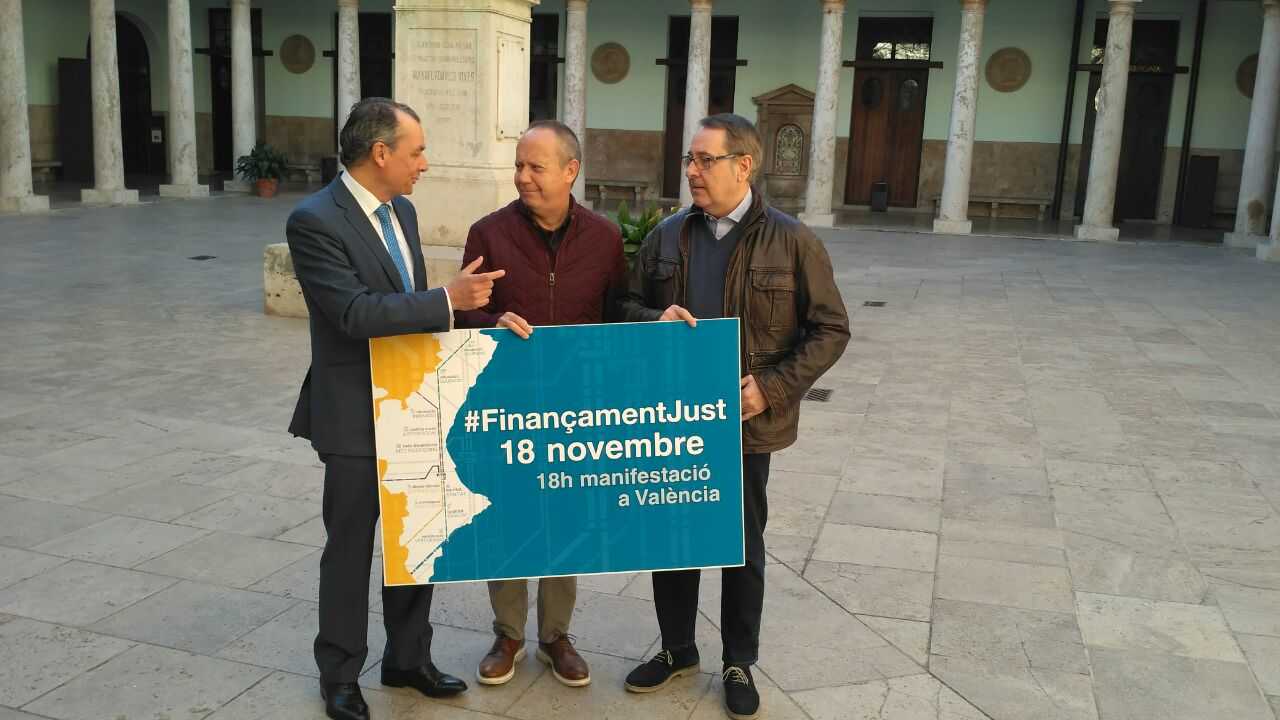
{"points": [[585, 449]]}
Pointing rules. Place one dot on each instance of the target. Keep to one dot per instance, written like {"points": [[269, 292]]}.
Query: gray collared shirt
{"points": [[721, 226]]}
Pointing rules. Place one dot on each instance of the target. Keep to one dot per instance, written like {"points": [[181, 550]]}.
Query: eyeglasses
{"points": [[705, 161]]}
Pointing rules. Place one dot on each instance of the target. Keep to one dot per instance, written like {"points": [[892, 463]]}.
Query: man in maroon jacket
{"points": [[564, 267]]}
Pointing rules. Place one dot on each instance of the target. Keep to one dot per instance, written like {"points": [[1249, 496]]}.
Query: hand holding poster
{"points": [[585, 449]]}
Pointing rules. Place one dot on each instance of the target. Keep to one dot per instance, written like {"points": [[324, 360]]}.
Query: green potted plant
{"points": [[636, 229], [263, 166]]}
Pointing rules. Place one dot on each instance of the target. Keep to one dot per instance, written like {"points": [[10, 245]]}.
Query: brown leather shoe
{"points": [[566, 664], [499, 665]]}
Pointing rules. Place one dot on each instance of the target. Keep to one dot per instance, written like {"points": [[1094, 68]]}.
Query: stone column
{"points": [[108, 140], [1108, 130], [1269, 247], [1259, 154], [822, 143], [953, 213], [464, 66], [348, 58], [575, 85], [15, 127], [244, 117], [697, 80], [182, 107]]}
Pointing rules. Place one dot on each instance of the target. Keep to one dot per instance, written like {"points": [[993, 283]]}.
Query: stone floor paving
{"points": [[1045, 486]]}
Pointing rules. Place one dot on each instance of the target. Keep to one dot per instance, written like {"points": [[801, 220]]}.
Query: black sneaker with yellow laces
{"points": [[662, 669], [741, 699]]}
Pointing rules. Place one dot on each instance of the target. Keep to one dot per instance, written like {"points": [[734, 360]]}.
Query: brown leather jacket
{"points": [[780, 284]]}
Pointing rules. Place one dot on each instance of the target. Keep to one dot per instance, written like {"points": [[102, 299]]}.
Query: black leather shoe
{"points": [[343, 701], [426, 679]]}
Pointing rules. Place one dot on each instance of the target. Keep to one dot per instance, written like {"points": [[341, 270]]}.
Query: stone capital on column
{"points": [[183, 167], [953, 209], [1123, 7], [1257, 178], [575, 82], [822, 139], [15, 128], [697, 80], [348, 60], [108, 144]]}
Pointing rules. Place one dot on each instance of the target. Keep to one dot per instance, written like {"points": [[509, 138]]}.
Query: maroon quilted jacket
{"points": [[575, 288]]}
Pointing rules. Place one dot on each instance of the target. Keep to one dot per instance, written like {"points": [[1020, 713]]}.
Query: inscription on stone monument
{"points": [[445, 75]]}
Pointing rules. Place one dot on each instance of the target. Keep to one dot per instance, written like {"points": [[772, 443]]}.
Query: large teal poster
{"points": [[584, 449]]}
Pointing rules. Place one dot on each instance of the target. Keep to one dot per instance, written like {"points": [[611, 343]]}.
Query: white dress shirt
{"points": [[721, 226], [369, 203]]}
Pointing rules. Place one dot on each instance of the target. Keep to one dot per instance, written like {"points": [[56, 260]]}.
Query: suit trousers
{"points": [[341, 646], [675, 593], [510, 600]]}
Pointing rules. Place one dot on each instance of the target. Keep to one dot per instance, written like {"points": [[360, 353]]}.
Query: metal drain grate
{"points": [[874, 303], [202, 257], [819, 394]]}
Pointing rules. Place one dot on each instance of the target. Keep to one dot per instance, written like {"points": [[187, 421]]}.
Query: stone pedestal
{"points": [[282, 295], [575, 85], [822, 148], [15, 129], [784, 118], [182, 108], [1259, 156], [697, 89], [463, 65], [953, 211], [108, 149], [1108, 132]]}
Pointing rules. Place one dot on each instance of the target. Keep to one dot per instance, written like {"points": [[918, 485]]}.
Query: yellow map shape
{"points": [[398, 365]]}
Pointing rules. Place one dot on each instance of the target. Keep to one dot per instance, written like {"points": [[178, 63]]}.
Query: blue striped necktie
{"points": [[393, 245]]}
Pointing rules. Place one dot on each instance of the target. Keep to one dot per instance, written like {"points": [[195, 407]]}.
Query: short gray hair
{"points": [[372, 120], [740, 137], [570, 147]]}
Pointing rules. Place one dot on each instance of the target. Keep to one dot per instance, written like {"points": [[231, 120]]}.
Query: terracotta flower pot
{"points": [[267, 187]]}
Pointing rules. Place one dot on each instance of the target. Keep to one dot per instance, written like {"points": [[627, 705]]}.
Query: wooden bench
{"points": [[995, 201], [639, 189], [43, 170], [310, 170]]}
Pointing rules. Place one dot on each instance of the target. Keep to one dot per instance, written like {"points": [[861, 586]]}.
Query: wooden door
{"points": [[135, 98], [75, 120], [376, 53], [1146, 123], [544, 67], [886, 134], [724, 72]]}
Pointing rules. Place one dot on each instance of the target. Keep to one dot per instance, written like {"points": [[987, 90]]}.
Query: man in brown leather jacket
{"points": [[731, 255]]}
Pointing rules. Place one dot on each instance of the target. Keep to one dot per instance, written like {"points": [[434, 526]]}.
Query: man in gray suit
{"points": [[358, 257]]}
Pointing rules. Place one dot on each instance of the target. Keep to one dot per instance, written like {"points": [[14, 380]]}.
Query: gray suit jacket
{"points": [[353, 292]]}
